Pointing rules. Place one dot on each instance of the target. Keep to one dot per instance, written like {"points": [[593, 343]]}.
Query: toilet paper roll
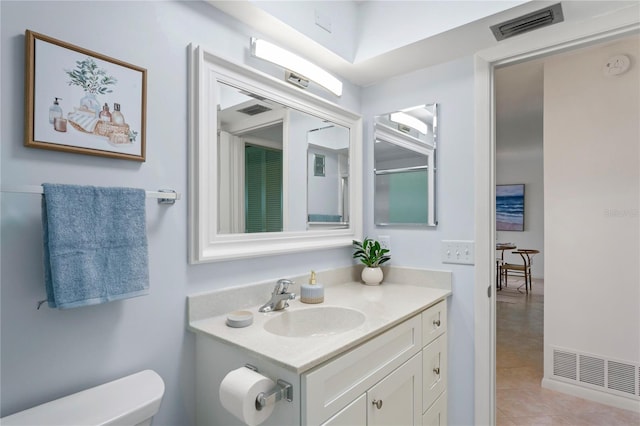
{"points": [[238, 392]]}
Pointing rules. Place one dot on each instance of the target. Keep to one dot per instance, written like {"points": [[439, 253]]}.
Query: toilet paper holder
{"points": [[282, 390]]}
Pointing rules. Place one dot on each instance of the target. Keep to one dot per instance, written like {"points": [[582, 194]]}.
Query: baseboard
{"points": [[592, 394]]}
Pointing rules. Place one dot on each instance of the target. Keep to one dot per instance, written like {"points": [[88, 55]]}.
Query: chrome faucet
{"points": [[279, 297]]}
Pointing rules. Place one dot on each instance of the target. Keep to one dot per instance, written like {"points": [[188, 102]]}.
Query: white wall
{"points": [[451, 86], [342, 17], [48, 353], [324, 190], [592, 200], [524, 166], [413, 21]]}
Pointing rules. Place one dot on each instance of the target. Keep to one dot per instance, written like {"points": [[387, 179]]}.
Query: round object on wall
{"points": [[616, 65]]}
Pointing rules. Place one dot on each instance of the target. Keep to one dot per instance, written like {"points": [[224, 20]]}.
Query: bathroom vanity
{"points": [[368, 355]]}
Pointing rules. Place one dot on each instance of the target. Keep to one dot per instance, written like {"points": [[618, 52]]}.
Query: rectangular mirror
{"points": [[257, 191], [272, 169], [404, 167]]}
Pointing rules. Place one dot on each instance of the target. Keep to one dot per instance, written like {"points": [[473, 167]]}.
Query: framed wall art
{"points": [[510, 207], [83, 102], [318, 164]]}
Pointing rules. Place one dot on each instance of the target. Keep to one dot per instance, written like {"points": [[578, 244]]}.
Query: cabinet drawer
{"points": [[436, 415], [434, 371], [434, 322], [332, 386]]}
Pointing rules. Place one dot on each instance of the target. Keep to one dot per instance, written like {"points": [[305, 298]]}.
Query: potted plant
{"points": [[371, 253], [93, 80]]}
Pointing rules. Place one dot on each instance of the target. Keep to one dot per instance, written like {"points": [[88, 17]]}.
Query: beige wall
{"points": [[592, 199]]}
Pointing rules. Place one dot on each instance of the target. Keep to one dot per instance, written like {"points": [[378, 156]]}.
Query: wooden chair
{"points": [[501, 247], [521, 270]]}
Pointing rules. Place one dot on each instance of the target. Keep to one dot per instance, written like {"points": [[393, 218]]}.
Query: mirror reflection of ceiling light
{"points": [[301, 67], [407, 120]]}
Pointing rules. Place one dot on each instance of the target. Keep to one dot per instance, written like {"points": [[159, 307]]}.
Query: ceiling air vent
{"points": [[254, 109], [529, 22]]}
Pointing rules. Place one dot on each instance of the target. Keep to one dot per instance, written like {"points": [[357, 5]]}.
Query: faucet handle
{"points": [[282, 286]]}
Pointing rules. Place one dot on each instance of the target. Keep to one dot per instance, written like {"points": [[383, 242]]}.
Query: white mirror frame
{"points": [[205, 243]]}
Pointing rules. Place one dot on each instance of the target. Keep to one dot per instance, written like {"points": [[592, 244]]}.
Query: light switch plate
{"points": [[460, 252]]}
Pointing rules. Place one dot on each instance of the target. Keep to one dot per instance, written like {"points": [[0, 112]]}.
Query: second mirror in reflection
{"points": [[279, 169], [404, 155]]}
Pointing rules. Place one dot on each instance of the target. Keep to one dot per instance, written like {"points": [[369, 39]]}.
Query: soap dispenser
{"points": [[312, 292], [55, 111], [116, 115], [105, 115]]}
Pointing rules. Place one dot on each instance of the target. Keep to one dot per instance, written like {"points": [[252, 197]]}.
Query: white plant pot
{"points": [[372, 276]]}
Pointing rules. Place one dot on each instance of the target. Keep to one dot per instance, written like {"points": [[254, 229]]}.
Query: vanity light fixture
{"points": [[408, 120], [298, 69]]}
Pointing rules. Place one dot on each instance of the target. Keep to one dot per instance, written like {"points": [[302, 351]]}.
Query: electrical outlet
{"points": [[385, 241], [461, 252]]}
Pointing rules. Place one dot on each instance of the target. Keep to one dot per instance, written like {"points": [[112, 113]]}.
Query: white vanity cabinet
{"points": [[389, 370], [397, 378]]}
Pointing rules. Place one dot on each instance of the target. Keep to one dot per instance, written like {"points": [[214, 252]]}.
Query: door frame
{"points": [[552, 40]]}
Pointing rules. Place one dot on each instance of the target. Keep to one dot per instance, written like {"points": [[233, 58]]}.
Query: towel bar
{"points": [[164, 196]]}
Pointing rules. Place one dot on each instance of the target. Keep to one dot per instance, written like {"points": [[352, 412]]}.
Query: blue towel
{"points": [[95, 244]]}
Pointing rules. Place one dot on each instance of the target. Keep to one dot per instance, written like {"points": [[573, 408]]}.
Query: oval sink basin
{"points": [[318, 321]]}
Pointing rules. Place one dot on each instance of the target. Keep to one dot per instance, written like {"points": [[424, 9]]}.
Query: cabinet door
{"points": [[395, 400], [353, 414], [434, 366], [436, 415]]}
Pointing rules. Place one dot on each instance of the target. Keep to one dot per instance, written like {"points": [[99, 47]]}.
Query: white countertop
{"points": [[384, 306]]}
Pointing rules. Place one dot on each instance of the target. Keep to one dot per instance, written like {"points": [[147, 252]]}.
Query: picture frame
{"points": [[83, 102], [510, 207]]}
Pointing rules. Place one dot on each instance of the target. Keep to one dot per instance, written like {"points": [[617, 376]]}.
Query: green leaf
{"points": [[370, 252]]}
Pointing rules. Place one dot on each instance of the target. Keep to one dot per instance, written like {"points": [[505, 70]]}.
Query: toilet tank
{"points": [[129, 401]]}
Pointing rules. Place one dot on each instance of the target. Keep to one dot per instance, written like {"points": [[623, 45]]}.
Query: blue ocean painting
{"points": [[510, 207]]}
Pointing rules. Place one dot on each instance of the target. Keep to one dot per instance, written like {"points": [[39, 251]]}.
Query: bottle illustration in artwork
{"points": [[55, 111], [116, 115], [105, 115]]}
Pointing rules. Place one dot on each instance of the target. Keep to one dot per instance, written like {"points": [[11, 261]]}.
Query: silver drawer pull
{"points": [[436, 323], [437, 370], [377, 403]]}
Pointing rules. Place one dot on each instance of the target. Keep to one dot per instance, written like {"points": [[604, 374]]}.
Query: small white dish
{"points": [[239, 319]]}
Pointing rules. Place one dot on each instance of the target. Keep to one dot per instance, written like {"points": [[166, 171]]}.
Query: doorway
{"points": [[519, 103], [486, 65]]}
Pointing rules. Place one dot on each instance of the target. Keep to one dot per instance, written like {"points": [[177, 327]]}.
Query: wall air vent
{"points": [[565, 364], [621, 377], [254, 109], [596, 372], [529, 22], [592, 370]]}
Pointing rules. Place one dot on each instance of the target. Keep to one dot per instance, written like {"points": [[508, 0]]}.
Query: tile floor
{"points": [[520, 399]]}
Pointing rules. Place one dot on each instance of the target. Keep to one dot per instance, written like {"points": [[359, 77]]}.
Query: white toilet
{"points": [[129, 401]]}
